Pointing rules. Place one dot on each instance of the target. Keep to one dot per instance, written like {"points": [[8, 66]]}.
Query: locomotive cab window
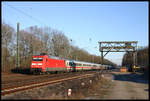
{"points": [[37, 59]]}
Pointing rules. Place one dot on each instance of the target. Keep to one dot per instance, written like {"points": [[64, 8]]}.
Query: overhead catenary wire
{"points": [[68, 4], [35, 19]]}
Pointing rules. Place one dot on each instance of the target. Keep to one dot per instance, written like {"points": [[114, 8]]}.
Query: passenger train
{"points": [[47, 63]]}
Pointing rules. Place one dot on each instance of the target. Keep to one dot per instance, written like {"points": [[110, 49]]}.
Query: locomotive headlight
{"points": [[33, 63], [39, 64]]}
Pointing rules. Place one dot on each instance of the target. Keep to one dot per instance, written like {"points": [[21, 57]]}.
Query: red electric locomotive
{"points": [[46, 63]]}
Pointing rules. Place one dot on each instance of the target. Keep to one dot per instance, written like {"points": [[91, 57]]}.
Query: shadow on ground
{"points": [[21, 70], [133, 77], [146, 90]]}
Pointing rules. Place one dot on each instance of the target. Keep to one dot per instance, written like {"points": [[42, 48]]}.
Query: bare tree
{"points": [[7, 32]]}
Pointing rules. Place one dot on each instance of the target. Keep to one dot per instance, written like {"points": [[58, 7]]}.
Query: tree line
{"points": [[142, 58], [33, 41]]}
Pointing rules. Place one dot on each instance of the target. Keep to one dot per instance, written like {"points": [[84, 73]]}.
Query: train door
{"points": [[46, 64], [72, 66], [68, 66]]}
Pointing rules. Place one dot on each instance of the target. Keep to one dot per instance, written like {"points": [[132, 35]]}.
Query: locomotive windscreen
{"points": [[37, 59]]}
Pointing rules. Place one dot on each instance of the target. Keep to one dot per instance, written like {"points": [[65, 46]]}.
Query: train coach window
{"points": [[70, 63], [37, 59], [78, 64]]}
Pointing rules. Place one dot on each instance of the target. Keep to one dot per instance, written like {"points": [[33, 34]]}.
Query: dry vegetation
{"points": [[95, 90], [142, 58], [34, 40]]}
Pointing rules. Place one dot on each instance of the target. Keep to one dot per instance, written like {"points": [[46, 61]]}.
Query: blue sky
{"points": [[86, 23]]}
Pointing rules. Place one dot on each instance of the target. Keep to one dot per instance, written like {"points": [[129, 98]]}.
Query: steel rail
{"points": [[25, 87], [32, 80]]}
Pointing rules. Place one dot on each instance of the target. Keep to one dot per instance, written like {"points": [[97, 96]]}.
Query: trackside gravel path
{"points": [[129, 86]]}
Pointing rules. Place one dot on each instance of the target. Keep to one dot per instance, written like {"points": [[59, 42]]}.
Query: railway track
{"points": [[25, 80], [53, 80]]}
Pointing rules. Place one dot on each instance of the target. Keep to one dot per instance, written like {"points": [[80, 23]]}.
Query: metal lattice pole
{"points": [[17, 57]]}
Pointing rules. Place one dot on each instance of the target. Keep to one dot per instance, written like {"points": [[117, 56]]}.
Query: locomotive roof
{"points": [[82, 62], [70, 60], [54, 57]]}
